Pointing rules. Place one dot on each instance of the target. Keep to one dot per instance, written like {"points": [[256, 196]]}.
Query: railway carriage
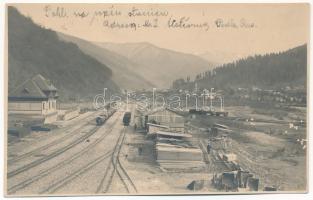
{"points": [[127, 118]]}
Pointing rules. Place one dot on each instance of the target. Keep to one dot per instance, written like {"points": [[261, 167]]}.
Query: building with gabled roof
{"points": [[35, 96], [165, 116], [160, 116]]}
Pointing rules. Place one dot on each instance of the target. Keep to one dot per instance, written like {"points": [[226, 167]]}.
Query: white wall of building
{"points": [[33, 107], [25, 107]]}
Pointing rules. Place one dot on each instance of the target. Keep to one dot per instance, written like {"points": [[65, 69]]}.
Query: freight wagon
{"points": [[100, 120]]}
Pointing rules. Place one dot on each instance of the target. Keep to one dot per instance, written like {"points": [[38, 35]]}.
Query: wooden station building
{"points": [[35, 97]]}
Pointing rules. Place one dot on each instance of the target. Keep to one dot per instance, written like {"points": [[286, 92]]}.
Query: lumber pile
{"points": [[177, 153]]}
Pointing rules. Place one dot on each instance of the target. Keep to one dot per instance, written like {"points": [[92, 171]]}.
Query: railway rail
{"points": [[127, 181], [46, 172], [56, 186], [51, 155], [117, 167], [69, 134], [61, 183]]}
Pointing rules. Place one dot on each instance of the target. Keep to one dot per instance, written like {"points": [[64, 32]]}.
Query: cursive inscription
{"points": [[135, 17]]}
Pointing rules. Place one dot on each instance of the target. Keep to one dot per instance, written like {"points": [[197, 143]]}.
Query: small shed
{"points": [[161, 119]]}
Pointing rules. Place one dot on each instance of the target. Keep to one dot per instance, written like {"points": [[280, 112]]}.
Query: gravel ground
{"points": [[148, 177], [276, 159], [38, 139], [67, 173], [47, 151], [39, 185]]}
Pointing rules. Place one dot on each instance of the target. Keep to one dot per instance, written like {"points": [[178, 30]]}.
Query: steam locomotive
{"points": [[109, 111]]}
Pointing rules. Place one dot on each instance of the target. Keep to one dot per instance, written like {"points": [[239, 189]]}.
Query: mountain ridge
{"points": [[159, 63], [35, 50], [122, 75]]}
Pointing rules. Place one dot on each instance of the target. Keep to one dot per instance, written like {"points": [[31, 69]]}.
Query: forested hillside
{"points": [[35, 50], [273, 70], [124, 70]]}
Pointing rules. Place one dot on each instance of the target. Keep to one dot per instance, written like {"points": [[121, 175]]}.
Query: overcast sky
{"points": [[268, 27]]}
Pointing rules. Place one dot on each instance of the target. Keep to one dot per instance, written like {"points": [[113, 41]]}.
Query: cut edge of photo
{"points": [[156, 99]]}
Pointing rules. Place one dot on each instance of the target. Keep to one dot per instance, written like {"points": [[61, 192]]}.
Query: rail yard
{"points": [[125, 151], [156, 99]]}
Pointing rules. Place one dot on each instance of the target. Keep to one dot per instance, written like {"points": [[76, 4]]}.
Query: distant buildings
{"points": [[295, 96]]}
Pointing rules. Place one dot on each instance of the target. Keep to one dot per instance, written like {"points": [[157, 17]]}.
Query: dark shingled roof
{"points": [[36, 87], [43, 84]]}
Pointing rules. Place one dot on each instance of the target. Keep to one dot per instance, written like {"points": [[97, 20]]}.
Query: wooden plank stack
{"points": [[176, 153]]}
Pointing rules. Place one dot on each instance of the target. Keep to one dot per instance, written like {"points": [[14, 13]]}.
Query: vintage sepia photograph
{"points": [[156, 99]]}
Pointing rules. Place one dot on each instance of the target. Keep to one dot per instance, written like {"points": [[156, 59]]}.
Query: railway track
{"points": [[61, 183], [116, 166], [127, 181], [46, 172], [54, 142], [52, 155], [213, 163], [54, 187]]}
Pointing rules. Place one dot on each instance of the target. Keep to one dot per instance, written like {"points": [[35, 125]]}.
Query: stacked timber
{"points": [[177, 153]]}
